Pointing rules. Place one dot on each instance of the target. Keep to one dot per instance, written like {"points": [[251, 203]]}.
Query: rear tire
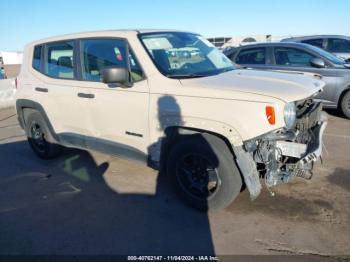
{"points": [[345, 104], [39, 137], [213, 183]]}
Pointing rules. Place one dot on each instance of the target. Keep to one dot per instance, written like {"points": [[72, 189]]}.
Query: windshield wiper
{"points": [[184, 75], [226, 70]]}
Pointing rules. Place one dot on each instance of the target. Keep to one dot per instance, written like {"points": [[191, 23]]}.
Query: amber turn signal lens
{"points": [[270, 114]]}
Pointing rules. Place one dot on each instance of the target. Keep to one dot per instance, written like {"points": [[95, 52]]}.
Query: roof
{"points": [[265, 44], [315, 37], [119, 32], [273, 44]]}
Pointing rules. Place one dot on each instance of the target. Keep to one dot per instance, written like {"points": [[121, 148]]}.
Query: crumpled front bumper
{"points": [[280, 155], [295, 158], [314, 150], [307, 153]]}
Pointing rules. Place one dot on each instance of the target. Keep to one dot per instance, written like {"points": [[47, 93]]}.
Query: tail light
{"points": [[270, 115]]}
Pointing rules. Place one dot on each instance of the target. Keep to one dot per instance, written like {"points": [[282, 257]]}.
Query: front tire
{"points": [[203, 172], [345, 104], [39, 137]]}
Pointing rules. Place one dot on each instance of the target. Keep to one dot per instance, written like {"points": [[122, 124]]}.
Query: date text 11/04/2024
{"points": [[172, 258]]}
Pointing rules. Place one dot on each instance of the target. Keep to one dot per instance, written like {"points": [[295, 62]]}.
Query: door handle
{"points": [[40, 89], [83, 95]]}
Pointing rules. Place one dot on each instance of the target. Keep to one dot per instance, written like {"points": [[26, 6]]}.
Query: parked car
{"points": [[2, 73], [297, 57], [336, 44], [206, 125]]}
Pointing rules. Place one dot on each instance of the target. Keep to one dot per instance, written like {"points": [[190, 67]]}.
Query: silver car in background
{"points": [[300, 58], [338, 45]]}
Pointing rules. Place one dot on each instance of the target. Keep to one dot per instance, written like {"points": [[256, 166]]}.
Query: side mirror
{"points": [[115, 75], [347, 65], [317, 62]]}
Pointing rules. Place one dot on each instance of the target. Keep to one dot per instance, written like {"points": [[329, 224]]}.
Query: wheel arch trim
{"points": [[340, 94], [23, 104], [158, 152]]}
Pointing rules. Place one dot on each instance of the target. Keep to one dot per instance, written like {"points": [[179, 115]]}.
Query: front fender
{"points": [[190, 125], [202, 124]]}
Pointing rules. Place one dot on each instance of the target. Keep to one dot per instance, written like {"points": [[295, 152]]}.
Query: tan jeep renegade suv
{"points": [[171, 99]]}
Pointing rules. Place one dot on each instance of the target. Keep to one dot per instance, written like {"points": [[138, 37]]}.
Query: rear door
{"points": [[339, 47], [61, 94], [298, 60]]}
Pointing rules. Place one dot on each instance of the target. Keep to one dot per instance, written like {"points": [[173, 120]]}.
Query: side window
{"points": [[338, 45], [292, 57], [136, 71], [37, 58], [315, 42], [2, 73], [99, 53], [252, 56], [60, 60], [231, 54]]}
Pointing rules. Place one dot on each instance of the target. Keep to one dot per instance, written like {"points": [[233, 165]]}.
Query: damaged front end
{"points": [[280, 155]]}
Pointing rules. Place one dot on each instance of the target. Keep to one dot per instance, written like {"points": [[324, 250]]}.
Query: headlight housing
{"points": [[290, 115]]}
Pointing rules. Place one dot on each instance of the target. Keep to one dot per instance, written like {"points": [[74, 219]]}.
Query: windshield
{"points": [[334, 59], [185, 55]]}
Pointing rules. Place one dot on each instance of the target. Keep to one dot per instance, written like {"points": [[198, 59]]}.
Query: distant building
{"points": [[219, 41], [10, 63], [223, 42]]}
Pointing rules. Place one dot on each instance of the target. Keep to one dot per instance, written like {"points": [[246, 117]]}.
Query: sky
{"points": [[23, 21]]}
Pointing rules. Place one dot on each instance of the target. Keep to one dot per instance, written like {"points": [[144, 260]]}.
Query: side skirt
{"points": [[103, 146]]}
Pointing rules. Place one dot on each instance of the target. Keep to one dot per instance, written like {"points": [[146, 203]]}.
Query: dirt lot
{"points": [[89, 203]]}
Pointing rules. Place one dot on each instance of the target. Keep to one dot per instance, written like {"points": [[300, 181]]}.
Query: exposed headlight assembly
{"points": [[290, 115]]}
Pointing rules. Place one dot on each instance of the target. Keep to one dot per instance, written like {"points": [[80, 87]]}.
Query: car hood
{"points": [[283, 86]]}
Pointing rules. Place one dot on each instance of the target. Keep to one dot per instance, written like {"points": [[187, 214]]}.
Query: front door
{"points": [[119, 113]]}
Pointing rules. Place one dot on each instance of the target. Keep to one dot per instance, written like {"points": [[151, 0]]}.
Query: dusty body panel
{"points": [[231, 105]]}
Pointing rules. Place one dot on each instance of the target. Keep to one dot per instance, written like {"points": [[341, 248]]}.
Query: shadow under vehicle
{"points": [[67, 206]]}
